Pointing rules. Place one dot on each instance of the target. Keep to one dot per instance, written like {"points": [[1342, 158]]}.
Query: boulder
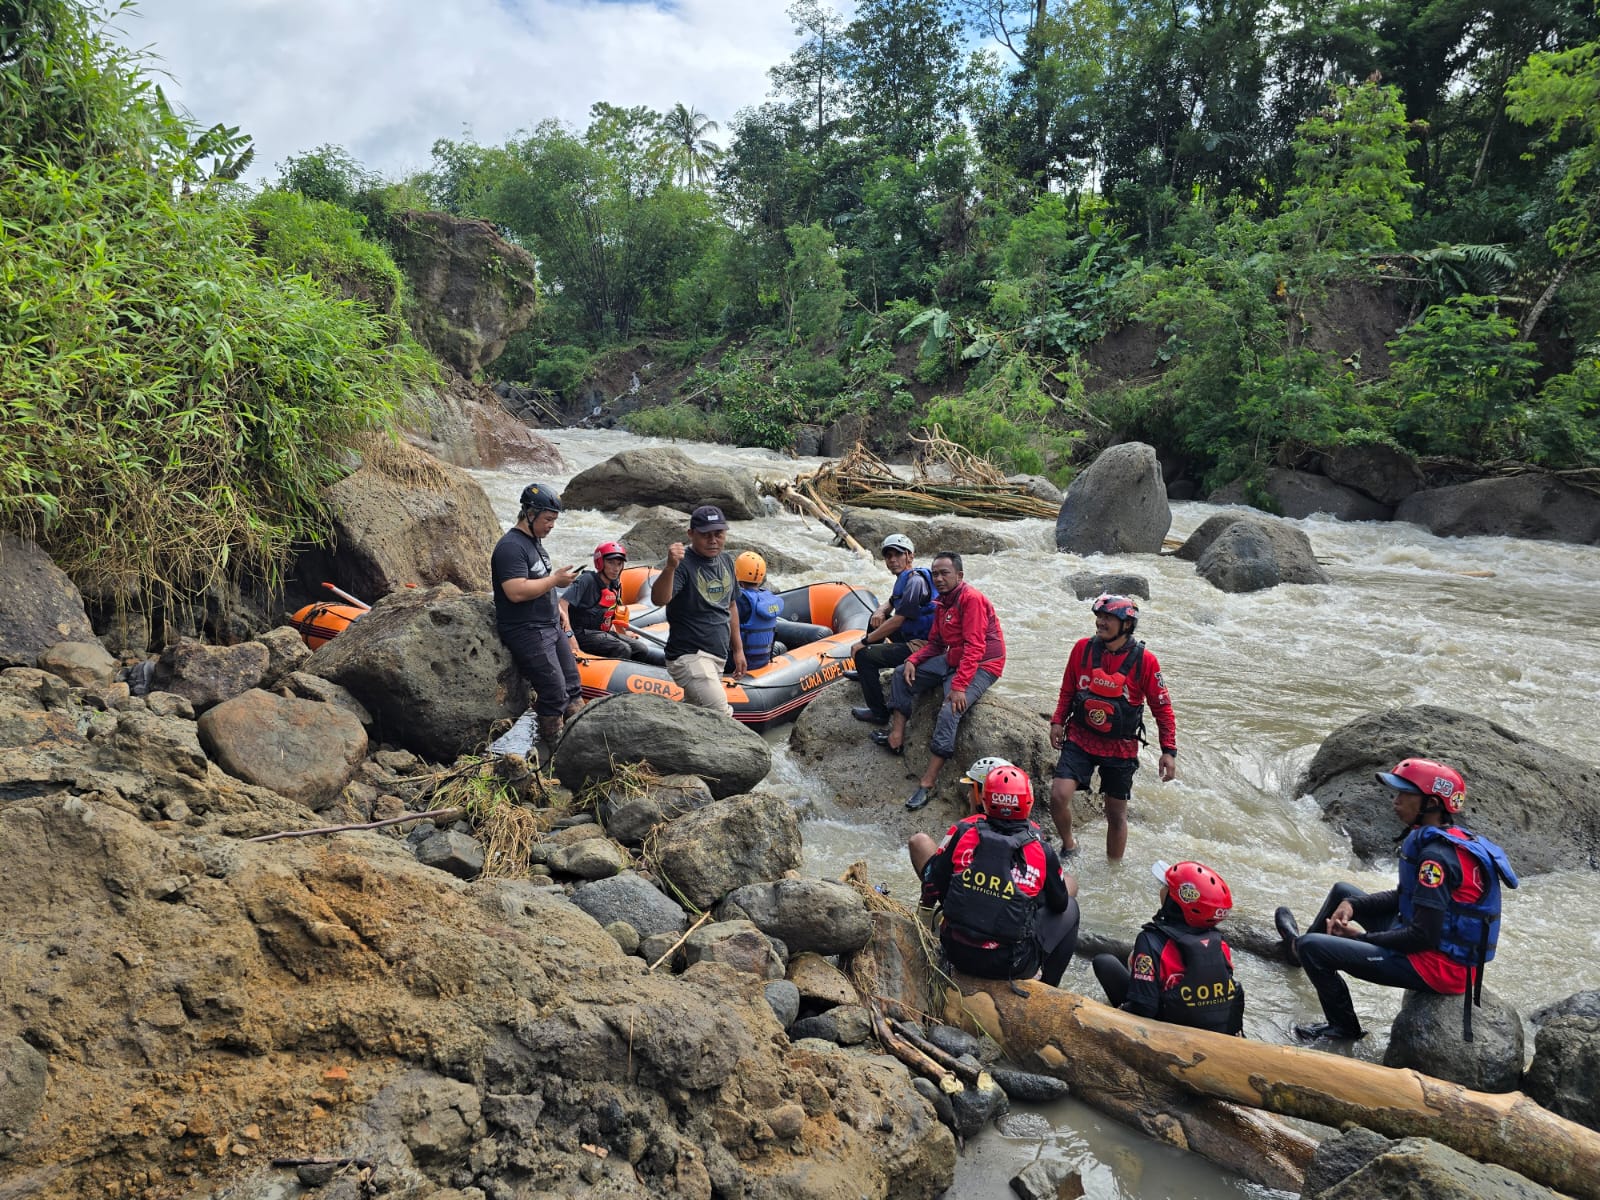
{"points": [[819, 982], [1375, 469], [1255, 553], [1208, 531], [933, 535], [674, 738], [429, 667], [629, 816], [39, 605], [1116, 505], [1419, 1167], [1038, 485], [632, 898], [784, 999], [207, 675], [465, 424], [286, 652], [1341, 1155], [807, 914], [82, 664], [1301, 493], [739, 944], [663, 475], [1030, 1088], [299, 748], [1565, 1075], [325, 691], [1086, 585], [1426, 1036], [592, 858], [24, 1077], [846, 1025], [657, 527], [743, 839], [1543, 806], [1532, 505], [458, 853]]}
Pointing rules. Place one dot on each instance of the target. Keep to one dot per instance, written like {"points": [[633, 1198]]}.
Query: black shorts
{"points": [[1116, 774]]}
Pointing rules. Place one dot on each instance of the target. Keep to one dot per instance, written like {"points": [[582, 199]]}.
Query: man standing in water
{"points": [[1099, 720], [698, 588], [527, 615]]}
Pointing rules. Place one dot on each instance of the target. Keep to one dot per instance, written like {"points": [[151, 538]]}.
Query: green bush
{"points": [[676, 421], [321, 239], [1009, 415]]}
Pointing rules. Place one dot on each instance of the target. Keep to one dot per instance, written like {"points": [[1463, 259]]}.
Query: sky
{"points": [[385, 78]]}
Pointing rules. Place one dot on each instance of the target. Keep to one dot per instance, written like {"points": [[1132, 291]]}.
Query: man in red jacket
{"points": [[1099, 720], [965, 653]]}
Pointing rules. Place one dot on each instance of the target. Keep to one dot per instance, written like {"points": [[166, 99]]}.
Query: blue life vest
{"points": [[918, 627], [1470, 930], [758, 619]]}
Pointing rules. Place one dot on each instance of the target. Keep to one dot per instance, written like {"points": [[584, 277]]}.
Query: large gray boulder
{"points": [[39, 605], [1532, 505], [1565, 1075], [301, 749], [631, 898], [1374, 469], [805, 914], [663, 475], [206, 675], [931, 535], [1086, 585], [1255, 553], [744, 839], [630, 814], [1116, 505], [1543, 806], [1409, 1167], [674, 738], [1301, 493], [429, 667], [1426, 1036]]}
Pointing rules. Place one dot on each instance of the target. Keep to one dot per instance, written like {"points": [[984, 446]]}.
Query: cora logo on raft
{"points": [[645, 685]]}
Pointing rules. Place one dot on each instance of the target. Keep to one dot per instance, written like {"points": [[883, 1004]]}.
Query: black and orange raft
{"points": [[319, 623]]}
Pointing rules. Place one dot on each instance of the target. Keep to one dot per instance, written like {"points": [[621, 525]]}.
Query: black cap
{"points": [[707, 518], [540, 498]]}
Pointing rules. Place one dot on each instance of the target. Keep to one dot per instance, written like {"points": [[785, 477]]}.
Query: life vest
{"points": [[917, 628], [1471, 929], [758, 621], [608, 610], [1103, 706], [1197, 984], [994, 896]]}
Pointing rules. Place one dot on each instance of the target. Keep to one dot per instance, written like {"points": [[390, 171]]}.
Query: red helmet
{"points": [[1199, 892], [607, 550], [1125, 608], [1433, 779], [1008, 794]]}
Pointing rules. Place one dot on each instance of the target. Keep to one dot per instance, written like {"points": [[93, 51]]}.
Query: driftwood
{"points": [[452, 814], [673, 949], [913, 1056], [1142, 1070], [810, 506]]}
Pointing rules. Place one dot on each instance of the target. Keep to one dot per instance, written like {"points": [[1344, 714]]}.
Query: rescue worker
{"points": [[900, 624], [1434, 932], [976, 774], [1099, 720], [1010, 911], [597, 616], [697, 586], [758, 610], [964, 655], [527, 615], [1181, 969]]}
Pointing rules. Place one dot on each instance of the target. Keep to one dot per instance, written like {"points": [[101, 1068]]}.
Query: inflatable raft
{"points": [[320, 623], [818, 626]]}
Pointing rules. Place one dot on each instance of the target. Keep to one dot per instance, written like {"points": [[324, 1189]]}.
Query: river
{"points": [[1257, 681]]}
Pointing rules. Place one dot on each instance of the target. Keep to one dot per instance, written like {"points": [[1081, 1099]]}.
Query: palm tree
{"points": [[689, 152]]}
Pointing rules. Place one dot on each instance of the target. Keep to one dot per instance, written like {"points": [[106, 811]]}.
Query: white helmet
{"points": [[978, 772], [897, 541]]}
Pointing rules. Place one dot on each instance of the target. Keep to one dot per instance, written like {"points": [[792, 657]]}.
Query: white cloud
{"points": [[385, 78]]}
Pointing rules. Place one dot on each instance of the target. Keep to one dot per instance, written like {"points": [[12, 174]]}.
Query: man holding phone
{"points": [[527, 613]]}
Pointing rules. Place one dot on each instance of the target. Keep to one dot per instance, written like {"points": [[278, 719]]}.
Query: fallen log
{"points": [[1128, 1065]]}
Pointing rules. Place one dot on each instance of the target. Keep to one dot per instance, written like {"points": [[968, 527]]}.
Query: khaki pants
{"points": [[700, 676]]}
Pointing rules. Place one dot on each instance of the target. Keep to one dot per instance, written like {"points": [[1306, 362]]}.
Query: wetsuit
{"points": [[1176, 974]]}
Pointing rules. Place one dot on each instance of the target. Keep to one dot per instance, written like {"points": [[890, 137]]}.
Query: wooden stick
{"points": [[913, 1057], [704, 917], [433, 815], [322, 1162], [812, 507], [944, 1058]]}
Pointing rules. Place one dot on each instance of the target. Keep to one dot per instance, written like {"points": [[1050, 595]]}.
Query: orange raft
{"points": [[817, 627], [323, 621]]}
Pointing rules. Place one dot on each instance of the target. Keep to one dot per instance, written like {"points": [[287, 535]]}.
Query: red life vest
{"points": [[608, 610], [1103, 705]]}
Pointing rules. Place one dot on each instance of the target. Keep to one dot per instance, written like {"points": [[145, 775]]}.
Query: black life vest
{"points": [[985, 901], [1103, 705], [1205, 995]]}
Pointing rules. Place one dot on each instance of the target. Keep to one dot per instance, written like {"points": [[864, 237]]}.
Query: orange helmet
{"points": [[1199, 892], [750, 568], [607, 550], [1008, 794], [1433, 779]]}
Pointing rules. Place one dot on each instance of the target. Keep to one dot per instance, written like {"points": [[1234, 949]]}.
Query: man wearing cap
{"points": [[527, 615], [699, 588], [1432, 933], [899, 626]]}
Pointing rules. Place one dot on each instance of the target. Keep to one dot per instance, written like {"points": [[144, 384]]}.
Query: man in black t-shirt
{"points": [[698, 588], [528, 616]]}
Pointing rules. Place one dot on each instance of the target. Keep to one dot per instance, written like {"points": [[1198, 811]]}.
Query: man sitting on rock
{"points": [[1010, 911], [1433, 933], [965, 654], [698, 587], [597, 616], [898, 627]]}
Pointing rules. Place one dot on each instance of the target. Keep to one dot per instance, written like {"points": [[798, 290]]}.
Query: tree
{"points": [[690, 154], [329, 173], [904, 64], [813, 291], [811, 77]]}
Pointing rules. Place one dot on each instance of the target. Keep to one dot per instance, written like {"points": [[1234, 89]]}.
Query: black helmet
{"points": [[538, 498]]}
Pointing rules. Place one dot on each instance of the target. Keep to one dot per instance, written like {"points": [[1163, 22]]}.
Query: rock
{"points": [[1039, 486], [1374, 469], [1047, 1179], [1256, 553], [675, 739], [1086, 585], [630, 897], [1532, 505], [1341, 1155], [930, 1092], [593, 858], [740, 840], [457, 853], [663, 475], [1427, 1036], [976, 1107], [953, 1041], [1208, 531], [39, 605], [808, 914], [82, 664], [1116, 505], [784, 998], [207, 675], [286, 652], [24, 1077], [819, 982], [629, 817], [299, 748], [786, 1120], [465, 424], [1301, 493], [393, 660], [846, 1025], [657, 527], [625, 935], [1030, 1088], [325, 691], [169, 704], [436, 1117], [657, 946], [934, 535], [1420, 1167], [739, 944], [1541, 805], [1565, 1075], [807, 441]]}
